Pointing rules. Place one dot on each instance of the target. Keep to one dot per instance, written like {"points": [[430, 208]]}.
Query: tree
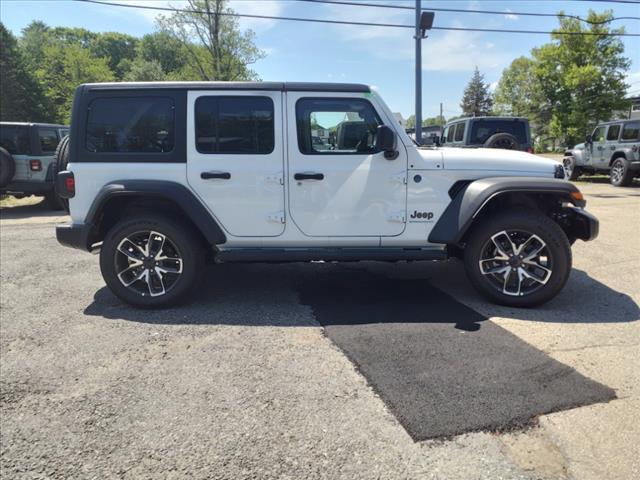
{"points": [[476, 100], [141, 70], [214, 46], [21, 98], [118, 48], [164, 48], [516, 93], [427, 122]]}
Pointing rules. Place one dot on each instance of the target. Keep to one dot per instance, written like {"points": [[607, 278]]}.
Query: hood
{"points": [[495, 159], [579, 146]]}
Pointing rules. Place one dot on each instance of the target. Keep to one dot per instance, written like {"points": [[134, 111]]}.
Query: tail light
{"points": [[65, 184], [530, 149], [35, 165]]}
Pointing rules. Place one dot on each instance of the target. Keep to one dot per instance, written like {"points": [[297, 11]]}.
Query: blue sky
{"points": [[383, 57]]}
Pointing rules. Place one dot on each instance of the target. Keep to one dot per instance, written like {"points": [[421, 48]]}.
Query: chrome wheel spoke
{"points": [[489, 267], [534, 251], [127, 283], [500, 247], [132, 250], [532, 275], [164, 265], [155, 244], [505, 284], [155, 283]]}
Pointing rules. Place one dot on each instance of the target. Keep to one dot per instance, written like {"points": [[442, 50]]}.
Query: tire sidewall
{"points": [[533, 222], [497, 136], [191, 252]]}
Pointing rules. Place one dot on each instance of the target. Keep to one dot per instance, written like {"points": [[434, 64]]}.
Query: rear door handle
{"points": [[210, 175], [308, 176]]}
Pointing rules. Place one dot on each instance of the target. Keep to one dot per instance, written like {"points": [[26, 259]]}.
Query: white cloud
{"points": [[260, 7], [493, 86], [510, 16]]}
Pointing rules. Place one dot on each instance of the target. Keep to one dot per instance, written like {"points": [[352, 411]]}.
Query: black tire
{"points": [[180, 242], [570, 168], [505, 141], [7, 167], [60, 164], [557, 252], [620, 174]]}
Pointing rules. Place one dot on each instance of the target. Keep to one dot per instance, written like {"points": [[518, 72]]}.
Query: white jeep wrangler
{"points": [[165, 176]]}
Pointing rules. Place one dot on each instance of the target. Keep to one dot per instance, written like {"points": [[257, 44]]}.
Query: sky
{"points": [[383, 57]]}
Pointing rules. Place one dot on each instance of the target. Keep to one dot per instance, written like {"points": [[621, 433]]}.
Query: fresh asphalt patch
{"points": [[442, 368]]}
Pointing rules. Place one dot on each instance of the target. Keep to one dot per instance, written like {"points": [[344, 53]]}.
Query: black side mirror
{"points": [[436, 140], [588, 139], [387, 141]]}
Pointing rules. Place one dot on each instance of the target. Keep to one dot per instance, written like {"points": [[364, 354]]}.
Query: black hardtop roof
{"points": [[277, 86], [30, 124], [487, 117]]}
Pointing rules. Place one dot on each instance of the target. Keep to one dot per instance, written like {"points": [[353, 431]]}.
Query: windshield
{"points": [[481, 130]]}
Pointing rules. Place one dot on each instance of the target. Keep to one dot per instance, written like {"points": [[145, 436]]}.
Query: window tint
{"points": [[240, 125], [48, 139], [598, 135], [15, 139], [336, 125], [613, 132], [132, 124], [481, 130], [450, 133], [460, 132], [631, 131]]}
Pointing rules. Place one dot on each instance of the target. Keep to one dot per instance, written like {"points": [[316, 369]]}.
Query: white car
{"points": [[162, 176]]}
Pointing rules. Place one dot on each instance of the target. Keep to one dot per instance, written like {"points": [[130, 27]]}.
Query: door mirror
{"points": [[588, 139], [436, 140], [386, 141]]}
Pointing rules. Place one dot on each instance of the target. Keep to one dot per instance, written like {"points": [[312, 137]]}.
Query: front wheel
{"points": [[572, 171], [520, 258], [151, 262]]}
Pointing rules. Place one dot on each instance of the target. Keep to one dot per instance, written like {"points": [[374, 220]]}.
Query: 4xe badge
{"points": [[424, 216]]}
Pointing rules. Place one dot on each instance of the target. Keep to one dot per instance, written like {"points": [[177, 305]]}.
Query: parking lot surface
{"points": [[264, 376]]}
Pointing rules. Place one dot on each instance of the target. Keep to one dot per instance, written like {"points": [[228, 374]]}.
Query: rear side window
{"points": [[131, 125], [48, 139], [631, 131], [613, 132], [459, 136], [450, 133], [235, 125], [481, 130], [15, 139]]}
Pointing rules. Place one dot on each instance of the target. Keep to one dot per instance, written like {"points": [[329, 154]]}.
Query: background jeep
{"points": [[510, 133], [28, 159], [613, 147]]}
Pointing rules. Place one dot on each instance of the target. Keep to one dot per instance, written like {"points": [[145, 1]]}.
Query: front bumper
{"points": [[74, 235], [585, 225]]}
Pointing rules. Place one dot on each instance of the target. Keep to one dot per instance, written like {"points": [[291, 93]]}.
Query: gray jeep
{"points": [[509, 133], [613, 148]]}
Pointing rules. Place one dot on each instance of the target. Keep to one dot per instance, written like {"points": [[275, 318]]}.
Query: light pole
{"points": [[424, 21]]}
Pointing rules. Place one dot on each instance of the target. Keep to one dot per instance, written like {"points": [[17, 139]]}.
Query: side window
{"points": [[450, 133], [235, 125], [15, 139], [631, 131], [613, 133], [460, 132], [131, 125], [598, 135], [336, 126], [48, 139]]}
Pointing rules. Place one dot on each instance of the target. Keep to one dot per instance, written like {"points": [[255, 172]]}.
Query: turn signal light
{"points": [[35, 165], [577, 196]]}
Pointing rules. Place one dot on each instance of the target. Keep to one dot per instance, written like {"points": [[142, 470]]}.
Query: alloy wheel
{"points": [[148, 263], [617, 172], [516, 262]]}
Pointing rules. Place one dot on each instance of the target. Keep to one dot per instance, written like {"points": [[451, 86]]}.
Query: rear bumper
{"points": [[29, 188], [74, 235], [634, 165]]}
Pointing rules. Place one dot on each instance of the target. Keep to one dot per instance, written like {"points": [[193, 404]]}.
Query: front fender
{"points": [[470, 200]]}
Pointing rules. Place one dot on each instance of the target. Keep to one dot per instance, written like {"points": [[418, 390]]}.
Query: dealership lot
{"points": [[270, 372]]}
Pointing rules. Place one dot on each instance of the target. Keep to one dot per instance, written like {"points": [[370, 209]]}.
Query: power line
{"points": [[459, 10], [345, 22]]}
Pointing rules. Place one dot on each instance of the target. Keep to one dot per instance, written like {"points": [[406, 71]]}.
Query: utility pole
{"points": [[418, 38], [441, 118], [424, 21]]}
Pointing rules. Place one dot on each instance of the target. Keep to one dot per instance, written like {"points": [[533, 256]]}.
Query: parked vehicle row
{"points": [[165, 175], [28, 159]]}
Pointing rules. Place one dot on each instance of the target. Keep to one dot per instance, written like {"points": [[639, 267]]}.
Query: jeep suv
{"points": [[613, 148], [163, 176], [28, 159], [509, 133]]}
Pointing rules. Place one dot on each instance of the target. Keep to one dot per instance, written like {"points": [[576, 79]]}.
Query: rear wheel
{"points": [[151, 262], [620, 174], [570, 168], [520, 258]]}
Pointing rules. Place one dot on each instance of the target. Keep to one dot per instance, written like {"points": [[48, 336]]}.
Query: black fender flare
{"points": [[471, 199], [190, 205]]}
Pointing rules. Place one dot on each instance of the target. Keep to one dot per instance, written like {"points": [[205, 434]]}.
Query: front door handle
{"points": [[613, 147], [600, 147], [210, 175], [309, 176]]}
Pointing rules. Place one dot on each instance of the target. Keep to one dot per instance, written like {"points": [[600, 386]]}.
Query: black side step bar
{"points": [[283, 255]]}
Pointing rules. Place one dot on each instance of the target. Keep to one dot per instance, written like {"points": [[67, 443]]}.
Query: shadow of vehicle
{"points": [[30, 210], [601, 179], [351, 294]]}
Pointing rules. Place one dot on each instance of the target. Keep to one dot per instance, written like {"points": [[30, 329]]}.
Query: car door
{"points": [[235, 159], [349, 188], [598, 143], [613, 135]]}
